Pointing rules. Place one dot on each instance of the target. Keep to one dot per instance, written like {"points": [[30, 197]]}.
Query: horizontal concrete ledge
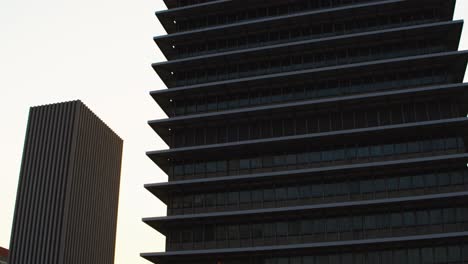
{"points": [[267, 249], [276, 18], [270, 77], [312, 41], [461, 121], [313, 102], [259, 176], [159, 222]]}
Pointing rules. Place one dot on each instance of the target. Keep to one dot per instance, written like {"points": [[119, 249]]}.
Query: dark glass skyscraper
{"points": [[312, 132], [68, 192]]}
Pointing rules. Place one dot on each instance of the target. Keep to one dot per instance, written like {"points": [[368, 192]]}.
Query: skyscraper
{"points": [[312, 132], [66, 206]]}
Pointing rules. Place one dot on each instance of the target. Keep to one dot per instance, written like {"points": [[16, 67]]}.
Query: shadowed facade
{"points": [[66, 206], [312, 132]]}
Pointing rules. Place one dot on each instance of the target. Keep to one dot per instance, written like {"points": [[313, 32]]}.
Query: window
{"points": [[188, 201], [175, 237], [399, 257], [413, 147], [197, 235], [366, 186], [200, 168], [233, 198], [405, 183], [307, 227], [221, 233], [198, 201], [409, 219], [449, 215], [396, 220], [465, 252], [427, 255], [418, 181], [210, 200], [269, 195], [422, 218], [189, 169], [257, 196], [379, 185], [257, 231], [269, 230], [245, 197], [209, 233], [454, 254], [431, 180], [376, 151], [317, 191], [178, 170], [441, 255], [244, 164], [374, 257], [401, 148], [186, 236], [233, 232], [294, 228], [392, 184], [221, 166], [363, 152], [436, 217], [370, 222], [282, 229], [293, 193], [456, 178], [291, 159], [244, 231], [279, 161], [413, 256], [221, 199], [305, 191], [282, 194]]}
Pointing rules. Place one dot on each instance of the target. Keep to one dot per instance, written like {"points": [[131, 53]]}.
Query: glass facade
{"points": [[454, 254], [445, 254], [312, 132], [321, 191], [426, 255], [257, 11], [303, 122], [310, 89], [297, 32], [293, 61], [315, 157], [319, 228]]}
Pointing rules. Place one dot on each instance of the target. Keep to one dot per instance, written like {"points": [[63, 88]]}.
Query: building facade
{"points": [[3, 255], [66, 206], [312, 132]]}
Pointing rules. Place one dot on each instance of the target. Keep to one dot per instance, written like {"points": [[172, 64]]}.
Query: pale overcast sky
{"points": [[98, 51]]}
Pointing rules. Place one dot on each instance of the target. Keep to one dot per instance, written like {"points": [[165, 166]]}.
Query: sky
{"points": [[99, 51]]}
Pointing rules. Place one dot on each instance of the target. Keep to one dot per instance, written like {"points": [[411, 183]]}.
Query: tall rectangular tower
{"points": [[66, 206], [312, 132]]}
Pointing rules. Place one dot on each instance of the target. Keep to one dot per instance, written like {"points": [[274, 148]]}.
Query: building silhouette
{"points": [[66, 206], [312, 132]]}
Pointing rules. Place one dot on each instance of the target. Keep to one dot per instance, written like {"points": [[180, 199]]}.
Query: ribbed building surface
{"points": [[312, 132], [66, 207]]}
